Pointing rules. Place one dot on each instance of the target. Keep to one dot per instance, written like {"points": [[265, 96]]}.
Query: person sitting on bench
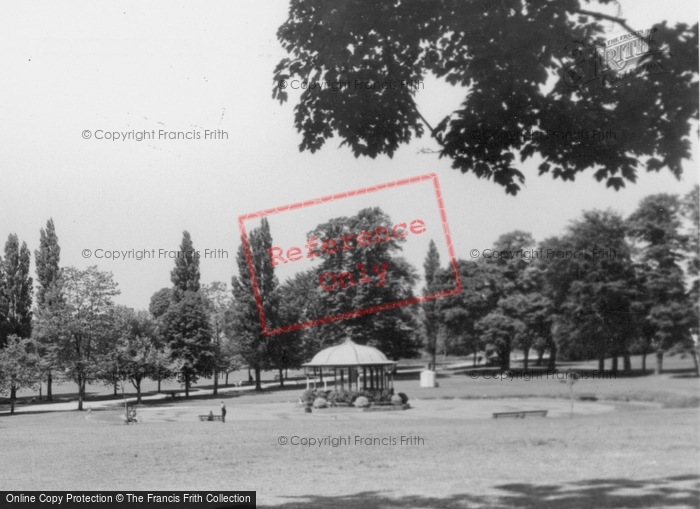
{"points": [[211, 416]]}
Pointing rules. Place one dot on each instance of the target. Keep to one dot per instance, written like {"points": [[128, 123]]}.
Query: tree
{"points": [[82, 320], [393, 330], [286, 350], [431, 312], [18, 367], [498, 331], [669, 315], [243, 321], [690, 208], [218, 301], [185, 326], [522, 301], [691, 212], [17, 290], [136, 351], [185, 275], [503, 54], [184, 320], [592, 286], [47, 259], [482, 285], [530, 314], [160, 301]]}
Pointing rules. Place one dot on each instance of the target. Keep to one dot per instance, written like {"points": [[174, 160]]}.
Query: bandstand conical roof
{"points": [[347, 354]]}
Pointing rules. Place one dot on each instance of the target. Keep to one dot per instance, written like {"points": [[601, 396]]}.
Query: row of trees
{"points": [[77, 333], [637, 293]]}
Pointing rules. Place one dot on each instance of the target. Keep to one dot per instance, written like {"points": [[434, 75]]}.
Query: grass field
{"points": [[634, 455]]}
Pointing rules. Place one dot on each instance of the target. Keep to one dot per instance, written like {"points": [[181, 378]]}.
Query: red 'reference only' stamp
{"points": [[335, 249]]}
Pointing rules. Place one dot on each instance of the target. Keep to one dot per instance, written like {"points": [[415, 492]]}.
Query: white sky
{"points": [[183, 66]]}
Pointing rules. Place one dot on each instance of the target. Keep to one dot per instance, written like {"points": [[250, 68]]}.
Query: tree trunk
{"points": [[227, 379], [540, 357], [601, 363], [126, 406], [49, 396], [258, 387], [526, 355], [250, 377], [434, 358], [694, 355], [281, 378], [187, 386], [159, 384], [552, 362], [614, 363], [81, 392], [116, 388], [627, 362], [138, 390], [505, 359], [13, 397], [659, 362], [216, 382], [644, 362]]}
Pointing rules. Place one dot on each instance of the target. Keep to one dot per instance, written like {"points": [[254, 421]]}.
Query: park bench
{"points": [[521, 414], [587, 396], [209, 417], [172, 393]]}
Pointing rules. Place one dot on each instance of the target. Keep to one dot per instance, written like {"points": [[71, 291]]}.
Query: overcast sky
{"points": [[68, 67]]}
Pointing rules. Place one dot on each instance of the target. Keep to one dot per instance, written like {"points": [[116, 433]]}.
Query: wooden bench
{"points": [[209, 417], [172, 393], [587, 396], [522, 414]]}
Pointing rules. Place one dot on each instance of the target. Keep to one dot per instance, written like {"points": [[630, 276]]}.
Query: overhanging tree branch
{"points": [[600, 15]]}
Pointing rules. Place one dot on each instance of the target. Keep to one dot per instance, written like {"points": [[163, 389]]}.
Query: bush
{"points": [[320, 403], [341, 398], [307, 398], [396, 400], [404, 398], [361, 402]]}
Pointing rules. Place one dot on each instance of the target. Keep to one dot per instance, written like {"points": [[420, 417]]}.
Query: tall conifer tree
{"points": [[17, 289], [47, 259]]}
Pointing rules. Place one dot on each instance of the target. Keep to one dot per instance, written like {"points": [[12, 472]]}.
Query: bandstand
{"points": [[351, 365]]}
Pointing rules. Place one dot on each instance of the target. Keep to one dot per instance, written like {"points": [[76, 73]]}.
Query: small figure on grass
{"points": [[132, 416], [571, 378], [223, 412]]}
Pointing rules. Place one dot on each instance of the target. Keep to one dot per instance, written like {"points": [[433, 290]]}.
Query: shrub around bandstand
{"points": [[344, 398]]}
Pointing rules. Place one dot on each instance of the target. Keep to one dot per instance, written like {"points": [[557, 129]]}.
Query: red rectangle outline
{"points": [[326, 199]]}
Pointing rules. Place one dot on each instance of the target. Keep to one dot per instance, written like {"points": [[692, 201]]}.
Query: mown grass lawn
{"points": [[636, 456]]}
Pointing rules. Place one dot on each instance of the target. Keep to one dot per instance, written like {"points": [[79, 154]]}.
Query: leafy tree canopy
{"points": [[513, 60]]}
